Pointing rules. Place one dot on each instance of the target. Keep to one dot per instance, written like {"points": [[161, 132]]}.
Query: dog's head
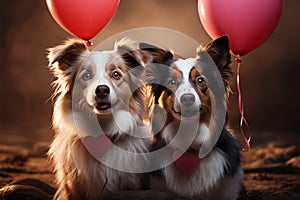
{"points": [[181, 86], [97, 81]]}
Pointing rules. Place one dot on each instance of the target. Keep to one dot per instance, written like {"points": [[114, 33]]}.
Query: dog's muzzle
{"points": [[187, 99], [102, 100], [188, 105]]}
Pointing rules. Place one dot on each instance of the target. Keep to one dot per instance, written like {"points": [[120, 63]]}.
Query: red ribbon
{"points": [[243, 119]]}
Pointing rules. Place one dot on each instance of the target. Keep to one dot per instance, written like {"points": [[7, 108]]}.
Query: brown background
{"points": [[270, 74]]}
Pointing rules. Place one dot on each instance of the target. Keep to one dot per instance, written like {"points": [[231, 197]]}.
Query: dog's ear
{"points": [[158, 70], [219, 51], [160, 56], [64, 56], [131, 54]]}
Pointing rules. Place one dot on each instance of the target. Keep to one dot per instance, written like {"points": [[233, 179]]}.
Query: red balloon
{"points": [[82, 18], [248, 23]]}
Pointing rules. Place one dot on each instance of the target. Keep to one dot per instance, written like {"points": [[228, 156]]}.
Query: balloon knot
{"points": [[88, 43], [238, 59]]}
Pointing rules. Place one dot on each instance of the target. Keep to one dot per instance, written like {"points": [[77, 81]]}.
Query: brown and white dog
{"points": [[96, 84], [182, 96]]}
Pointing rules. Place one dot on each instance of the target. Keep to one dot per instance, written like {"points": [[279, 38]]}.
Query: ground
{"points": [[272, 168]]}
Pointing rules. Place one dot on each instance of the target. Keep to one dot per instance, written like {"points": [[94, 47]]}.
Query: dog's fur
{"points": [[182, 91], [79, 73]]}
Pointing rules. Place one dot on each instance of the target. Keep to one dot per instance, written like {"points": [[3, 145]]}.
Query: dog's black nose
{"points": [[187, 99], [102, 91]]}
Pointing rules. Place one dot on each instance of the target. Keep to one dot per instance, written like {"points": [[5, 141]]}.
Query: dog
{"points": [[183, 103], [102, 86]]}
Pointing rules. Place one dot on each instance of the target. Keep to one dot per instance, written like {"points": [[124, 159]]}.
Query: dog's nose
{"points": [[102, 91], [187, 99]]}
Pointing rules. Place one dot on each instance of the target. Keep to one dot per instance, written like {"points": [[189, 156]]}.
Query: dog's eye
{"points": [[200, 81], [87, 76], [172, 82], [116, 75]]}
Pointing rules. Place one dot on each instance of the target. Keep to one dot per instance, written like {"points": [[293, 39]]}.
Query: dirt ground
{"points": [[272, 168]]}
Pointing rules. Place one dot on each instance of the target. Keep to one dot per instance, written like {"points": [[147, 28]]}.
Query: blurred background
{"points": [[269, 74]]}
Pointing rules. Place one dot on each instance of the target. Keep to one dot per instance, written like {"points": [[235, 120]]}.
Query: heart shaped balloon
{"points": [[186, 161], [82, 18], [97, 146], [248, 23]]}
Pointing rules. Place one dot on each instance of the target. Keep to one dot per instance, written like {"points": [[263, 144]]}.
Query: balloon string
{"points": [[243, 119]]}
